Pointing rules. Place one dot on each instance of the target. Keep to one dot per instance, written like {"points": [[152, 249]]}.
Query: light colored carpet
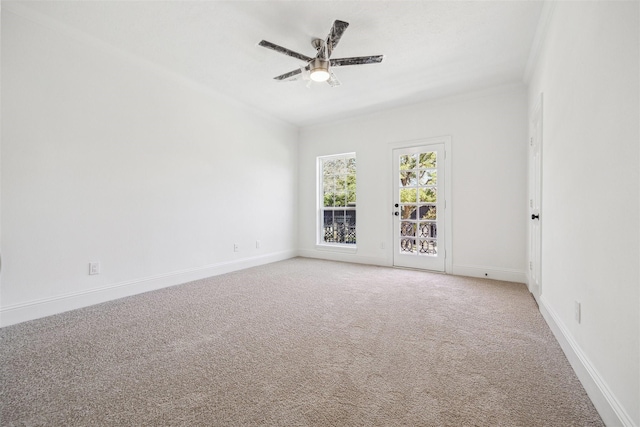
{"points": [[296, 343]]}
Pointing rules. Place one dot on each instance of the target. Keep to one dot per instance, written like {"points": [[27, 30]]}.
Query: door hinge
{"points": [[530, 265], [531, 141]]}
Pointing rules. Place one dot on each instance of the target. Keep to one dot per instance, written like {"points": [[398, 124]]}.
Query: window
{"points": [[337, 199]]}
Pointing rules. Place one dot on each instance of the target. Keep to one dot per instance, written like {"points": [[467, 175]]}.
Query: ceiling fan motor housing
{"points": [[319, 64]]}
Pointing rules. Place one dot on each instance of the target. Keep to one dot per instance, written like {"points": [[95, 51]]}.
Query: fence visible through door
{"points": [[419, 205]]}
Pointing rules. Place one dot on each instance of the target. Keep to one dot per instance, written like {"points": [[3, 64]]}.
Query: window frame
{"points": [[320, 243]]}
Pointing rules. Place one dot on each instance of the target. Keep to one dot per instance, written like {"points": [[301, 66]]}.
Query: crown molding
{"points": [[538, 38]]}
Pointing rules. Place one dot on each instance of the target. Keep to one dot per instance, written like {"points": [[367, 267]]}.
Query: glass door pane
{"points": [[416, 195]]}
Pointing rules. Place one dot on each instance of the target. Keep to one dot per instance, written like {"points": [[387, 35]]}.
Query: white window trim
{"points": [[337, 247], [320, 244]]}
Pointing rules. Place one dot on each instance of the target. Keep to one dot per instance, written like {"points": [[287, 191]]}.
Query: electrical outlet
{"points": [[236, 247], [577, 311], [94, 268]]}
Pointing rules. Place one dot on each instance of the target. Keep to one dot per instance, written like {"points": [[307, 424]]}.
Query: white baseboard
{"points": [[458, 270], [504, 274], [54, 305], [609, 408], [344, 257]]}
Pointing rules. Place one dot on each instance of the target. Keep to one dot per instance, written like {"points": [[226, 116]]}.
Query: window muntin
{"points": [[337, 199], [418, 203]]}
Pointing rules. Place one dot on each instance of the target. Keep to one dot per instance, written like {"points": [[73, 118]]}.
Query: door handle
{"points": [[534, 216]]}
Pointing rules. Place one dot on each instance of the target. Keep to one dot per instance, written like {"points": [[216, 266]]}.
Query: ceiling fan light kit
{"points": [[319, 67], [319, 70]]}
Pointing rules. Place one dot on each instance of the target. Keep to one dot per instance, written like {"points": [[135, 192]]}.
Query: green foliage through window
{"points": [[338, 174]]}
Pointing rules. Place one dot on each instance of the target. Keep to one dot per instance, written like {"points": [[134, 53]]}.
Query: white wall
{"points": [[588, 71], [106, 158], [489, 149]]}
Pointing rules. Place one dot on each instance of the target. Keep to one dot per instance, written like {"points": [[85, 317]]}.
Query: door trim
{"points": [[535, 131], [448, 228]]}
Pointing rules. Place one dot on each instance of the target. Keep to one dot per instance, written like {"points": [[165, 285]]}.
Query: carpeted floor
{"points": [[296, 343]]}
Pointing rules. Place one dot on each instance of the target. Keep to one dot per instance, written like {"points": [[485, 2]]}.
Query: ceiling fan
{"points": [[319, 68]]}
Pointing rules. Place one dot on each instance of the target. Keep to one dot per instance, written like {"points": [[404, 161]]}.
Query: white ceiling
{"points": [[432, 49]]}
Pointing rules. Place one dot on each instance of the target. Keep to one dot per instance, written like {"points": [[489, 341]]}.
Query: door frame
{"points": [[535, 171], [448, 229]]}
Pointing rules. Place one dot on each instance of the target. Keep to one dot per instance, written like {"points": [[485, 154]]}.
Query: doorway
{"points": [[420, 219]]}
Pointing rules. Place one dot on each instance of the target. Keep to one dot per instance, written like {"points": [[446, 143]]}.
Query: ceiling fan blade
{"points": [[333, 80], [284, 51], [340, 62], [291, 75], [335, 34]]}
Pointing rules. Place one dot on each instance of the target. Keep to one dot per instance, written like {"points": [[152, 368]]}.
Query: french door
{"points": [[419, 204]]}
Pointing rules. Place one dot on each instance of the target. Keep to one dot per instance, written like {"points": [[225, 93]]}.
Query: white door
{"points": [[418, 236], [535, 196]]}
